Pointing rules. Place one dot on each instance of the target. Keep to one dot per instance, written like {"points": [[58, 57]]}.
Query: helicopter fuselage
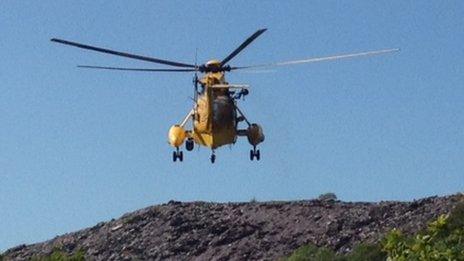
{"points": [[215, 115], [215, 120]]}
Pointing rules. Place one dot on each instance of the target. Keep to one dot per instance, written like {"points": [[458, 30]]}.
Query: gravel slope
{"points": [[240, 231]]}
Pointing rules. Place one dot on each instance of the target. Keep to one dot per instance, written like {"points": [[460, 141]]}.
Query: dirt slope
{"points": [[240, 231]]}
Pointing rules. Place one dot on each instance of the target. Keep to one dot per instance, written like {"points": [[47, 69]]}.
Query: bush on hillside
{"points": [[442, 240], [311, 252], [328, 197], [59, 255], [366, 252], [362, 252]]}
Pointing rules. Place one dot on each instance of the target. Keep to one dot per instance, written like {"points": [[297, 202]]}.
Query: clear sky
{"points": [[80, 146]]}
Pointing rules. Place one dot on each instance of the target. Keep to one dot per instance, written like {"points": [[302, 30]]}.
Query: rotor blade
{"points": [[128, 55], [242, 46], [256, 71], [135, 69], [319, 59]]}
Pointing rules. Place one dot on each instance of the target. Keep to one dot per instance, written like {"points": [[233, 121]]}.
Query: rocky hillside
{"points": [[240, 231]]}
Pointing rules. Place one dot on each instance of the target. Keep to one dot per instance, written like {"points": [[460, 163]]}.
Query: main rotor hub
{"points": [[213, 64]]}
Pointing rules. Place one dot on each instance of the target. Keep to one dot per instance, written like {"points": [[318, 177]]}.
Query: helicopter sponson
{"points": [[176, 135], [255, 134]]}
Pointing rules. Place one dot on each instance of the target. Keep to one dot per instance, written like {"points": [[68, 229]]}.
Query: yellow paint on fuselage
{"points": [[207, 130], [215, 139]]}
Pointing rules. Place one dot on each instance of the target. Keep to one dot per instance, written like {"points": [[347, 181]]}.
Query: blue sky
{"points": [[80, 146]]}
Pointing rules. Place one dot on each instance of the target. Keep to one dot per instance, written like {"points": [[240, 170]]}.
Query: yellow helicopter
{"points": [[215, 116]]}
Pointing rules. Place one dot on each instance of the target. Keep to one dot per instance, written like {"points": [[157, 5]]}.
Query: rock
{"points": [[237, 231]]}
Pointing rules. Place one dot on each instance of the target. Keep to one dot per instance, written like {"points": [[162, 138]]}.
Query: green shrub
{"points": [[456, 218], [442, 240], [366, 252], [362, 252], [59, 255], [327, 197], [311, 252]]}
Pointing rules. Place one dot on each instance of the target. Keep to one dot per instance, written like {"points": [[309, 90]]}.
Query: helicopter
{"points": [[215, 116]]}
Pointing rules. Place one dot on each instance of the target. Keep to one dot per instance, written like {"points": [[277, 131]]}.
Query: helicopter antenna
{"points": [[195, 77]]}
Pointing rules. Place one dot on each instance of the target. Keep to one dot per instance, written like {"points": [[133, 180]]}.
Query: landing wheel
{"points": [[255, 153], [177, 155], [213, 158], [189, 145]]}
